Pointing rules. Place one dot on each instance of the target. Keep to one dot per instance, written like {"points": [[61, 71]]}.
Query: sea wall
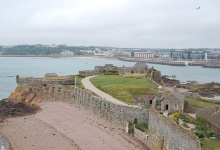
{"points": [[115, 114], [164, 134]]}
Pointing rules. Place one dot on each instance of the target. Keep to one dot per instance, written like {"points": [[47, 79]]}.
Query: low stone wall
{"points": [[163, 133], [41, 82], [116, 114], [192, 94], [141, 136]]}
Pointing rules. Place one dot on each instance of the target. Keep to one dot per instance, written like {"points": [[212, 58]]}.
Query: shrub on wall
{"points": [[130, 128], [176, 115], [200, 134], [142, 126], [81, 76]]}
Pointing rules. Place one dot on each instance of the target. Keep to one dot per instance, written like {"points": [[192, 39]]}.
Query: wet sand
{"points": [[65, 126]]}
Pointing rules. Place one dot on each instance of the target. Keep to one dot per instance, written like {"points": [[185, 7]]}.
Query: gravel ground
{"points": [[62, 126]]}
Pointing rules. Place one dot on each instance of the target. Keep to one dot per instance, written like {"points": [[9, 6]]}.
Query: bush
{"points": [[202, 127], [176, 115], [175, 119], [200, 134], [210, 133], [186, 119]]}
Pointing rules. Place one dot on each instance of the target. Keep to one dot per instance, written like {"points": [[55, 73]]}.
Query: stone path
{"points": [[88, 85], [190, 126], [63, 126]]}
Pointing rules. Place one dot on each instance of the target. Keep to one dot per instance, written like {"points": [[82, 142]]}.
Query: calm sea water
{"points": [[39, 66]]}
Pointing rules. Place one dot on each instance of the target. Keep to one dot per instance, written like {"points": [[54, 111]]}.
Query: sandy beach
{"points": [[65, 126]]}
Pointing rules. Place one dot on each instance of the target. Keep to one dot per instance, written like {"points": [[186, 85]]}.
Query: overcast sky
{"points": [[117, 23]]}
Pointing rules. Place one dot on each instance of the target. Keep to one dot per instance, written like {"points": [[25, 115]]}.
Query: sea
{"points": [[39, 66]]}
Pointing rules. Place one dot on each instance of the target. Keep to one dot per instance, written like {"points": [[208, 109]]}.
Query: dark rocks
{"points": [[12, 109]]}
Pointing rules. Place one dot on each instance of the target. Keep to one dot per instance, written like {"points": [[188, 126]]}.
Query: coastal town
{"points": [[208, 58]]}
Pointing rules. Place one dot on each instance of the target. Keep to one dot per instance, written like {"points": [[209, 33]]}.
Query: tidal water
{"points": [[39, 66]]}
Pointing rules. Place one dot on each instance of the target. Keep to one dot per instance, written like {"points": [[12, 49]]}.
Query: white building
{"points": [[67, 53], [127, 54], [142, 55]]}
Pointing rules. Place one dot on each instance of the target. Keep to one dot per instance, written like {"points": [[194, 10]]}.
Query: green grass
{"points": [[123, 88], [80, 85], [142, 126], [208, 144], [201, 103], [187, 119], [147, 106]]}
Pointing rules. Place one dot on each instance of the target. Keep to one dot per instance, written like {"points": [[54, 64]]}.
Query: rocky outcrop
{"points": [[21, 102], [23, 94]]}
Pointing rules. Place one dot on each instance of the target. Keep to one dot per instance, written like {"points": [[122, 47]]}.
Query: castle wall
{"points": [[142, 136], [164, 134], [115, 114]]}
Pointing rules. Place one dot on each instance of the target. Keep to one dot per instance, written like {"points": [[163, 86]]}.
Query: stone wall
{"points": [[115, 114], [141, 136], [143, 99], [41, 82], [164, 134]]}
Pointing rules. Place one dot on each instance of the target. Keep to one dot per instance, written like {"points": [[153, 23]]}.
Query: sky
{"points": [[114, 23]]}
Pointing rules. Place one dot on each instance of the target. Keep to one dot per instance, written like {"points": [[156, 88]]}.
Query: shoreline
{"points": [[51, 56]]}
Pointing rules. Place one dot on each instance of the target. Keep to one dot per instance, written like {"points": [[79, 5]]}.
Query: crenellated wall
{"points": [[115, 114], [163, 133]]}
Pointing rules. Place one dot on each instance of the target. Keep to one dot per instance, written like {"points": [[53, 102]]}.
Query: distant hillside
{"points": [[42, 49]]}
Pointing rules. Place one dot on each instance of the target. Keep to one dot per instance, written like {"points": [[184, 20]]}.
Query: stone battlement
{"points": [[163, 133]]}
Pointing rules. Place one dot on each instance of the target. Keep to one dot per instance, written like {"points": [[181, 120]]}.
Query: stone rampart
{"points": [[115, 114], [142, 136], [42, 82], [164, 134], [29, 81]]}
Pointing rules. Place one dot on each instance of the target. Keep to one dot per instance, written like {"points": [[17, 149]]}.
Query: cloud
{"points": [[124, 23]]}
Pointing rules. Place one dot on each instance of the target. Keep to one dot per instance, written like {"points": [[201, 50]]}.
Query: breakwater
{"points": [[154, 61], [174, 63]]}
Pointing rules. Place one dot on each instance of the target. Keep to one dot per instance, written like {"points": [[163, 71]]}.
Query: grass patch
{"points": [[142, 126], [130, 128], [123, 88], [79, 82], [210, 144], [200, 103], [132, 75], [147, 106], [187, 119]]}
